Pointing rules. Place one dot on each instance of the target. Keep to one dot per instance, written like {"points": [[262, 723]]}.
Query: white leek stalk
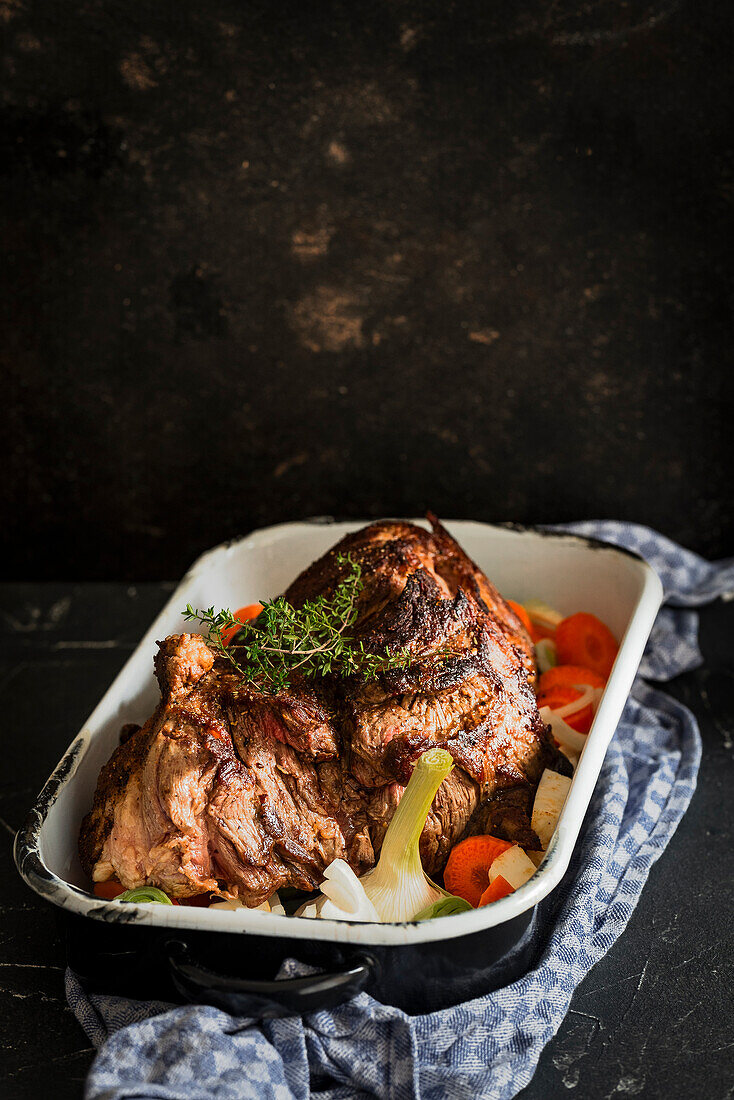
{"points": [[398, 887], [550, 798]]}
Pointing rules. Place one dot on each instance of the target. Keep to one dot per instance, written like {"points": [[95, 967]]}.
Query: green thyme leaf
{"points": [[313, 640]]}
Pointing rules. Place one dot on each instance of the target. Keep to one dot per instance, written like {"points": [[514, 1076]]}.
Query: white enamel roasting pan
{"points": [[568, 572]]}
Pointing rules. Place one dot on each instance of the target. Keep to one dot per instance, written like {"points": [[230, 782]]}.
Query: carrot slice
{"points": [[569, 676], [500, 888], [467, 870], [200, 900], [522, 615], [582, 639], [251, 611], [537, 633], [540, 633], [559, 696], [109, 889], [558, 686]]}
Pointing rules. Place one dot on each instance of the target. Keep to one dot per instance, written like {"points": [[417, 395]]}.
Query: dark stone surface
{"points": [[652, 1019], [267, 262]]}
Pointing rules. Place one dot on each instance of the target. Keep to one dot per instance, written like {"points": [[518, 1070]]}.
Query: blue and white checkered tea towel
{"points": [[487, 1047]]}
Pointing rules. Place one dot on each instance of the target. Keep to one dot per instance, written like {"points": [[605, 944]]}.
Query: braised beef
{"points": [[227, 788]]}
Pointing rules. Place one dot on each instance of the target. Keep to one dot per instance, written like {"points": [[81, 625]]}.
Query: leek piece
{"points": [[545, 655], [444, 907], [542, 615], [550, 798], [145, 895]]}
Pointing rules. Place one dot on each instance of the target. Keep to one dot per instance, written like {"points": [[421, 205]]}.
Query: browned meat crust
{"points": [[228, 789], [389, 553]]}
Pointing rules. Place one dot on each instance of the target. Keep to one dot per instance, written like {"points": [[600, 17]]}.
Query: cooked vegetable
{"points": [[272, 905], [561, 698], [342, 897], [513, 866], [565, 735], [572, 756], [314, 638], [545, 654], [582, 639], [242, 615], [549, 801], [522, 615], [342, 889], [232, 904], [543, 616], [467, 870], [587, 696], [536, 857], [398, 887], [500, 888], [198, 901], [109, 889], [569, 676], [444, 907], [145, 895]]}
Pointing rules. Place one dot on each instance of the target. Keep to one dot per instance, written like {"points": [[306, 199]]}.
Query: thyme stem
{"points": [[266, 652]]}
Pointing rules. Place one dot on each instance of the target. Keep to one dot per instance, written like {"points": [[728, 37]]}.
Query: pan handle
{"points": [[265, 1000]]}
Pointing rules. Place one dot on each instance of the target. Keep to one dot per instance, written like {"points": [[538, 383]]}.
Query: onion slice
{"points": [[566, 736], [588, 696]]}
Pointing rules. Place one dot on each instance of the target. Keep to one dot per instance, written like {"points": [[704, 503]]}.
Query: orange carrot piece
{"points": [[559, 696], [467, 870], [570, 676], [536, 632], [109, 889], [565, 679], [540, 633], [200, 900], [251, 611], [582, 639], [500, 888], [522, 615]]}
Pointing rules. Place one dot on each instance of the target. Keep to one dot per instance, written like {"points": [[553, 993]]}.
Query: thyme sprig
{"points": [[313, 639]]}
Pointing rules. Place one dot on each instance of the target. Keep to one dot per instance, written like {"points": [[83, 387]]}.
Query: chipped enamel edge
{"points": [[50, 886]]}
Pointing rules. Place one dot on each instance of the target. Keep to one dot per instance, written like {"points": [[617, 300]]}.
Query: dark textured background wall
{"points": [[265, 261]]}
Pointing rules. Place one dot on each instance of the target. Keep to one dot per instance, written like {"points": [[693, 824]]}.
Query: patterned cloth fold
{"points": [[488, 1047]]}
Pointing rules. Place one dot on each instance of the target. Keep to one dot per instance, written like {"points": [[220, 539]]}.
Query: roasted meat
{"points": [[230, 789]]}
